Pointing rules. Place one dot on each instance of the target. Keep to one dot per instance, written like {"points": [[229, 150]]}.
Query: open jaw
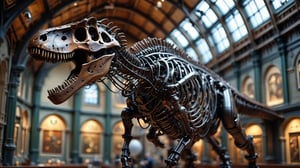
{"points": [[89, 67]]}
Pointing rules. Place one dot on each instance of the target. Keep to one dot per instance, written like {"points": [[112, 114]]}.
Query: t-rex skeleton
{"points": [[176, 96]]}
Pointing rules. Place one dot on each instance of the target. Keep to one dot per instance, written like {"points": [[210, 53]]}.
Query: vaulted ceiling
{"points": [[210, 30]]}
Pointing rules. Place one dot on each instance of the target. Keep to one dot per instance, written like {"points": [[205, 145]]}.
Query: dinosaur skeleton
{"points": [[164, 87]]}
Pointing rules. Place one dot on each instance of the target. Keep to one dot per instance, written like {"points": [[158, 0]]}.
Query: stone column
{"points": [[75, 133], [10, 108], [282, 54], [108, 130], [257, 76], [35, 130]]}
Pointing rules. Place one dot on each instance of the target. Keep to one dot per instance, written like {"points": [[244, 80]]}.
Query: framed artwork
{"points": [[52, 142], [90, 143], [248, 87], [274, 87], [294, 147]]}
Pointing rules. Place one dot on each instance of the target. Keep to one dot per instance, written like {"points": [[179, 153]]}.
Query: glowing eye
{"points": [[105, 37], [80, 34]]}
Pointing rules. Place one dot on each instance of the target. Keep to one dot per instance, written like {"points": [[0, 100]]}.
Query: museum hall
{"points": [[253, 46]]}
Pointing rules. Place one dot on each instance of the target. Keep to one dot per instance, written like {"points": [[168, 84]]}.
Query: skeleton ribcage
{"points": [[193, 88]]}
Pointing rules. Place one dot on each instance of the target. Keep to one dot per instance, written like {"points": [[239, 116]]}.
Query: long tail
{"points": [[255, 109]]}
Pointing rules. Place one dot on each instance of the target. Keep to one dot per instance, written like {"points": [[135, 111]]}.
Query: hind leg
{"points": [[222, 152], [231, 122]]}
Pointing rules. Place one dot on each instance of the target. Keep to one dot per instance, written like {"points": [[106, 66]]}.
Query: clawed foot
{"points": [[252, 161], [172, 160], [226, 164], [125, 162]]}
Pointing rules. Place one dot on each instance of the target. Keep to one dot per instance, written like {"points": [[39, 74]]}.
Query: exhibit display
{"points": [[175, 95]]}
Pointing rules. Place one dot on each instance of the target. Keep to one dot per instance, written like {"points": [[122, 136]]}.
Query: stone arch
{"points": [[52, 135]]}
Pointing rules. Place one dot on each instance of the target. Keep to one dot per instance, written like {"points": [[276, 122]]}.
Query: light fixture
{"points": [[158, 4], [27, 14]]}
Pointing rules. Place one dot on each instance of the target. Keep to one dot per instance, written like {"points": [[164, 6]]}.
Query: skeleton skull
{"points": [[89, 43]]}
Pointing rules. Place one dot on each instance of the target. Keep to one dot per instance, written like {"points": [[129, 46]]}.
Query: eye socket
{"points": [[105, 37], [80, 34], [94, 33], [43, 37]]}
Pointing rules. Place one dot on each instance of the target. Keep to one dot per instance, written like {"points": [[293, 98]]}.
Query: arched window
{"points": [[91, 94], [90, 137], [52, 133], [248, 87], [118, 131], [292, 134], [273, 84]]}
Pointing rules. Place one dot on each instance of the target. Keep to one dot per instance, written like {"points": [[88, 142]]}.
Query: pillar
{"points": [[10, 108], [282, 55], [257, 76], [108, 127], [34, 130], [237, 74], [75, 134]]}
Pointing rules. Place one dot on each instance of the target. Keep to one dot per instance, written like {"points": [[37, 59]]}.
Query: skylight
{"points": [[224, 5], [236, 26], [190, 29], [256, 11], [219, 38], [206, 14], [191, 52], [279, 3], [179, 37], [204, 50]]}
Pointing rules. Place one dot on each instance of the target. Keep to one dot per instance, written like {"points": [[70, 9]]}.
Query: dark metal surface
{"points": [[165, 88]]}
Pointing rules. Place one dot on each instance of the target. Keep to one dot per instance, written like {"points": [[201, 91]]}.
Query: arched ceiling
{"points": [[137, 18], [211, 30]]}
